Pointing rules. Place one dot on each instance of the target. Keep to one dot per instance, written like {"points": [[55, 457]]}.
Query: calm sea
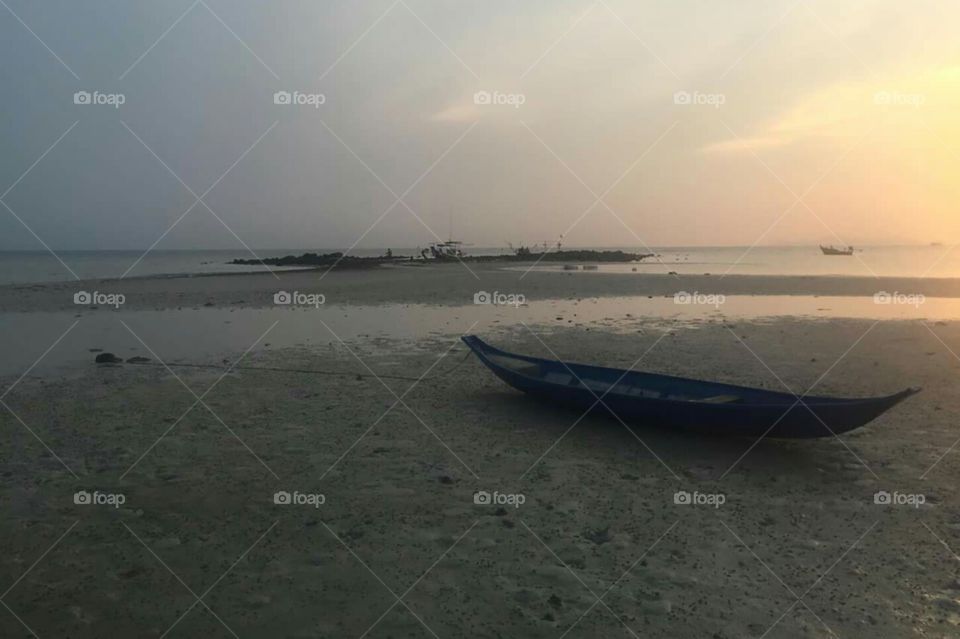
{"points": [[908, 261]]}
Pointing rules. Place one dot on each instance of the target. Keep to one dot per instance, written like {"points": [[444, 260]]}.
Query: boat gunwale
{"points": [[481, 348]]}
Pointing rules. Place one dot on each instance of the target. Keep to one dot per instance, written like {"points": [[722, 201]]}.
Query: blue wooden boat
{"points": [[642, 399]]}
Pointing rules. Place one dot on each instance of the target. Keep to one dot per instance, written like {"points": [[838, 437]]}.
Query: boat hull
{"points": [[829, 250], [759, 413]]}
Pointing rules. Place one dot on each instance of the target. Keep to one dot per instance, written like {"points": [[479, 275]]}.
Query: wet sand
{"points": [[398, 479], [451, 284]]}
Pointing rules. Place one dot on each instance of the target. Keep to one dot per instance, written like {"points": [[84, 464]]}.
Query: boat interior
{"points": [[631, 384]]}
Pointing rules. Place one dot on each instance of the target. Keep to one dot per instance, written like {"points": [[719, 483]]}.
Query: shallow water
{"points": [[879, 261], [210, 334]]}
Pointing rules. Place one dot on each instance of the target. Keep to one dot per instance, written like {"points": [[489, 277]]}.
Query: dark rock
{"points": [[107, 358], [138, 360], [341, 261], [599, 537]]}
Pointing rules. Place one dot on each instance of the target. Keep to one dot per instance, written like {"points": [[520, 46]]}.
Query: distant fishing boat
{"points": [[685, 404], [445, 251], [831, 250], [449, 250]]}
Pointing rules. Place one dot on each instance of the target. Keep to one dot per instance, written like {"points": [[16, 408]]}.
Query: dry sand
{"points": [[798, 549]]}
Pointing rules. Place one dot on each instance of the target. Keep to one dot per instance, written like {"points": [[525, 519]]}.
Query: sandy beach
{"points": [[382, 536]]}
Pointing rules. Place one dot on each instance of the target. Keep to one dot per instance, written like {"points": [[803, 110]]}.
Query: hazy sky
{"points": [[850, 106]]}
